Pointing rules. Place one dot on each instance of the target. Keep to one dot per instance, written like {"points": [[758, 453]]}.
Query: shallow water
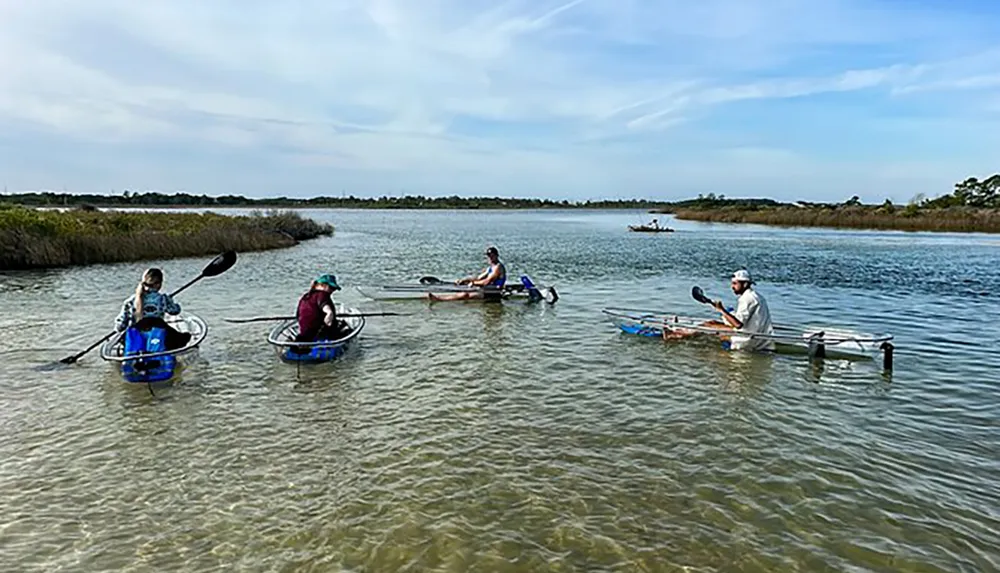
{"points": [[517, 437]]}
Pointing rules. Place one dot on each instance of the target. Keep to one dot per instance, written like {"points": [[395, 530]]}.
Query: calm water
{"points": [[517, 437]]}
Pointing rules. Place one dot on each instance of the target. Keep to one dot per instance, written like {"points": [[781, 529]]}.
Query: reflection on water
{"points": [[516, 437]]}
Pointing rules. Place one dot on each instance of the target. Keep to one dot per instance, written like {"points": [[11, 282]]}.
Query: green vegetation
{"points": [[154, 199], [974, 206], [32, 238]]}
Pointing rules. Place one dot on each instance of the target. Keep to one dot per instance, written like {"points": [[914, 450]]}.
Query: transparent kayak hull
{"points": [[835, 343], [282, 338], [148, 367], [524, 290]]}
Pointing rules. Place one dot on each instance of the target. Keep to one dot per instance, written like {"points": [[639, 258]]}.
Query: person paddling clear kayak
{"points": [[316, 313], [147, 307], [490, 281], [751, 316]]}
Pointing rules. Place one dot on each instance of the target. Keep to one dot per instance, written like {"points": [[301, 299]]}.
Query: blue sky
{"points": [[580, 99]]}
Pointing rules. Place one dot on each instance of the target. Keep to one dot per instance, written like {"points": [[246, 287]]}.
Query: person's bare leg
{"points": [[669, 334], [681, 333], [719, 326], [447, 297]]}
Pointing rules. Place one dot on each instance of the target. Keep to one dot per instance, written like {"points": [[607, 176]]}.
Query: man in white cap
{"points": [[752, 315]]}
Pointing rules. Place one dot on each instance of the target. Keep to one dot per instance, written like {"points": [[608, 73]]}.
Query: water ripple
{"points": [[517, 437]]}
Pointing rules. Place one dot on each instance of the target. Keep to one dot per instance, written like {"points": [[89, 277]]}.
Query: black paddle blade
{"points": [[431, 281], [699, 295], [220, 264]]}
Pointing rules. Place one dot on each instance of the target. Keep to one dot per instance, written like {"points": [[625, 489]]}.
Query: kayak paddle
{"points": [[217, 266], [699, 295], [267, 318]]}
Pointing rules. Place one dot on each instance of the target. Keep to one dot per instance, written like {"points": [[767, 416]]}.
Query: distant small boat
{"points": [[649, 229]]}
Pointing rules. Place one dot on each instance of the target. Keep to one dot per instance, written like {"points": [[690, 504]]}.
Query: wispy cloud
{"points": [[581, 98]]}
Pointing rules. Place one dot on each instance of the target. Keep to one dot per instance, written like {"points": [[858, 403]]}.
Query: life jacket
{"points": [[502, 279]]}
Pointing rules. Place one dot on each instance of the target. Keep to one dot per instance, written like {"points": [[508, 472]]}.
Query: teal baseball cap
{"points": [[330, 280]]}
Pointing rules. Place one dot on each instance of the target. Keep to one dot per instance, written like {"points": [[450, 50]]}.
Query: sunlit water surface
{"points": [[516, 437]]}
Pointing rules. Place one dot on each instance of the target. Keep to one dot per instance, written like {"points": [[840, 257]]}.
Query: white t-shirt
{"points": [[752, 311]]}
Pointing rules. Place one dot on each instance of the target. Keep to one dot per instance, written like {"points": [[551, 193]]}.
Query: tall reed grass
{"points": [[31, 238], [953, 219]]}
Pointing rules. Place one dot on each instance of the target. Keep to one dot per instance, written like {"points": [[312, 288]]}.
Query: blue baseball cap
{"points": [[330, 280]]}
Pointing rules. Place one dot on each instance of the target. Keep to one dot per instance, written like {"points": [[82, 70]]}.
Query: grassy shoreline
{"points": [[973, 207], [35, 238], [952, 219]]}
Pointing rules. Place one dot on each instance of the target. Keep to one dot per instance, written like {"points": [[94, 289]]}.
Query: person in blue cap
{"points": [[317, 315]]}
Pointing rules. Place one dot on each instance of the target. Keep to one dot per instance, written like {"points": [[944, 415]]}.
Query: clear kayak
{"points": [[142, 356], [524, 290], [283, 336], [825, 342]]}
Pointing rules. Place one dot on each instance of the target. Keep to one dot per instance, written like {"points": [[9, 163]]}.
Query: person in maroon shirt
{"points": [[317, 314]]}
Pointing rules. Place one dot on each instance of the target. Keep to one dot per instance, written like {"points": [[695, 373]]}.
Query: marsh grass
{"points": [[31, 238], [952, 219]]}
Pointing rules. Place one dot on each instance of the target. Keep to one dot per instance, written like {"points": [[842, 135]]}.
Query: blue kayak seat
{"points": [[534, 294], [147, 341]]}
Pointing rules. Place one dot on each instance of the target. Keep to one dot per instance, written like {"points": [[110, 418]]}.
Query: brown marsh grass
{"points": [[952, 219], [31, 238]]}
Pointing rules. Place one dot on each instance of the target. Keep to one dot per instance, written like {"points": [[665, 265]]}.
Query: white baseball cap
{"points": [[742, 275]]}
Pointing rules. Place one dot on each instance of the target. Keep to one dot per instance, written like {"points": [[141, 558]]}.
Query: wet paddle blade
{"points": [[699, 295], [220, 264]]}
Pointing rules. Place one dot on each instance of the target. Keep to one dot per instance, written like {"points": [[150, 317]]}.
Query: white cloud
{"points": [[473, 96]]}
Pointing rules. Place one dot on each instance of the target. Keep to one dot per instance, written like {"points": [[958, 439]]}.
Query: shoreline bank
{"points": [[943, 220]]}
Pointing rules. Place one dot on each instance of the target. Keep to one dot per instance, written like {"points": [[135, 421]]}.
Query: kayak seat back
{"points": [[147, 341], [534, 294]]}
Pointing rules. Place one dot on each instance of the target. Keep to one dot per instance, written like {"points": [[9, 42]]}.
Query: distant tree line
{"points": [[156, 199], [713, 201], [969, 193]]}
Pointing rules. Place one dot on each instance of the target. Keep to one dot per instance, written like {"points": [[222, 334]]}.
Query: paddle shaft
{"points": [[191, 282], [269, 318]]}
